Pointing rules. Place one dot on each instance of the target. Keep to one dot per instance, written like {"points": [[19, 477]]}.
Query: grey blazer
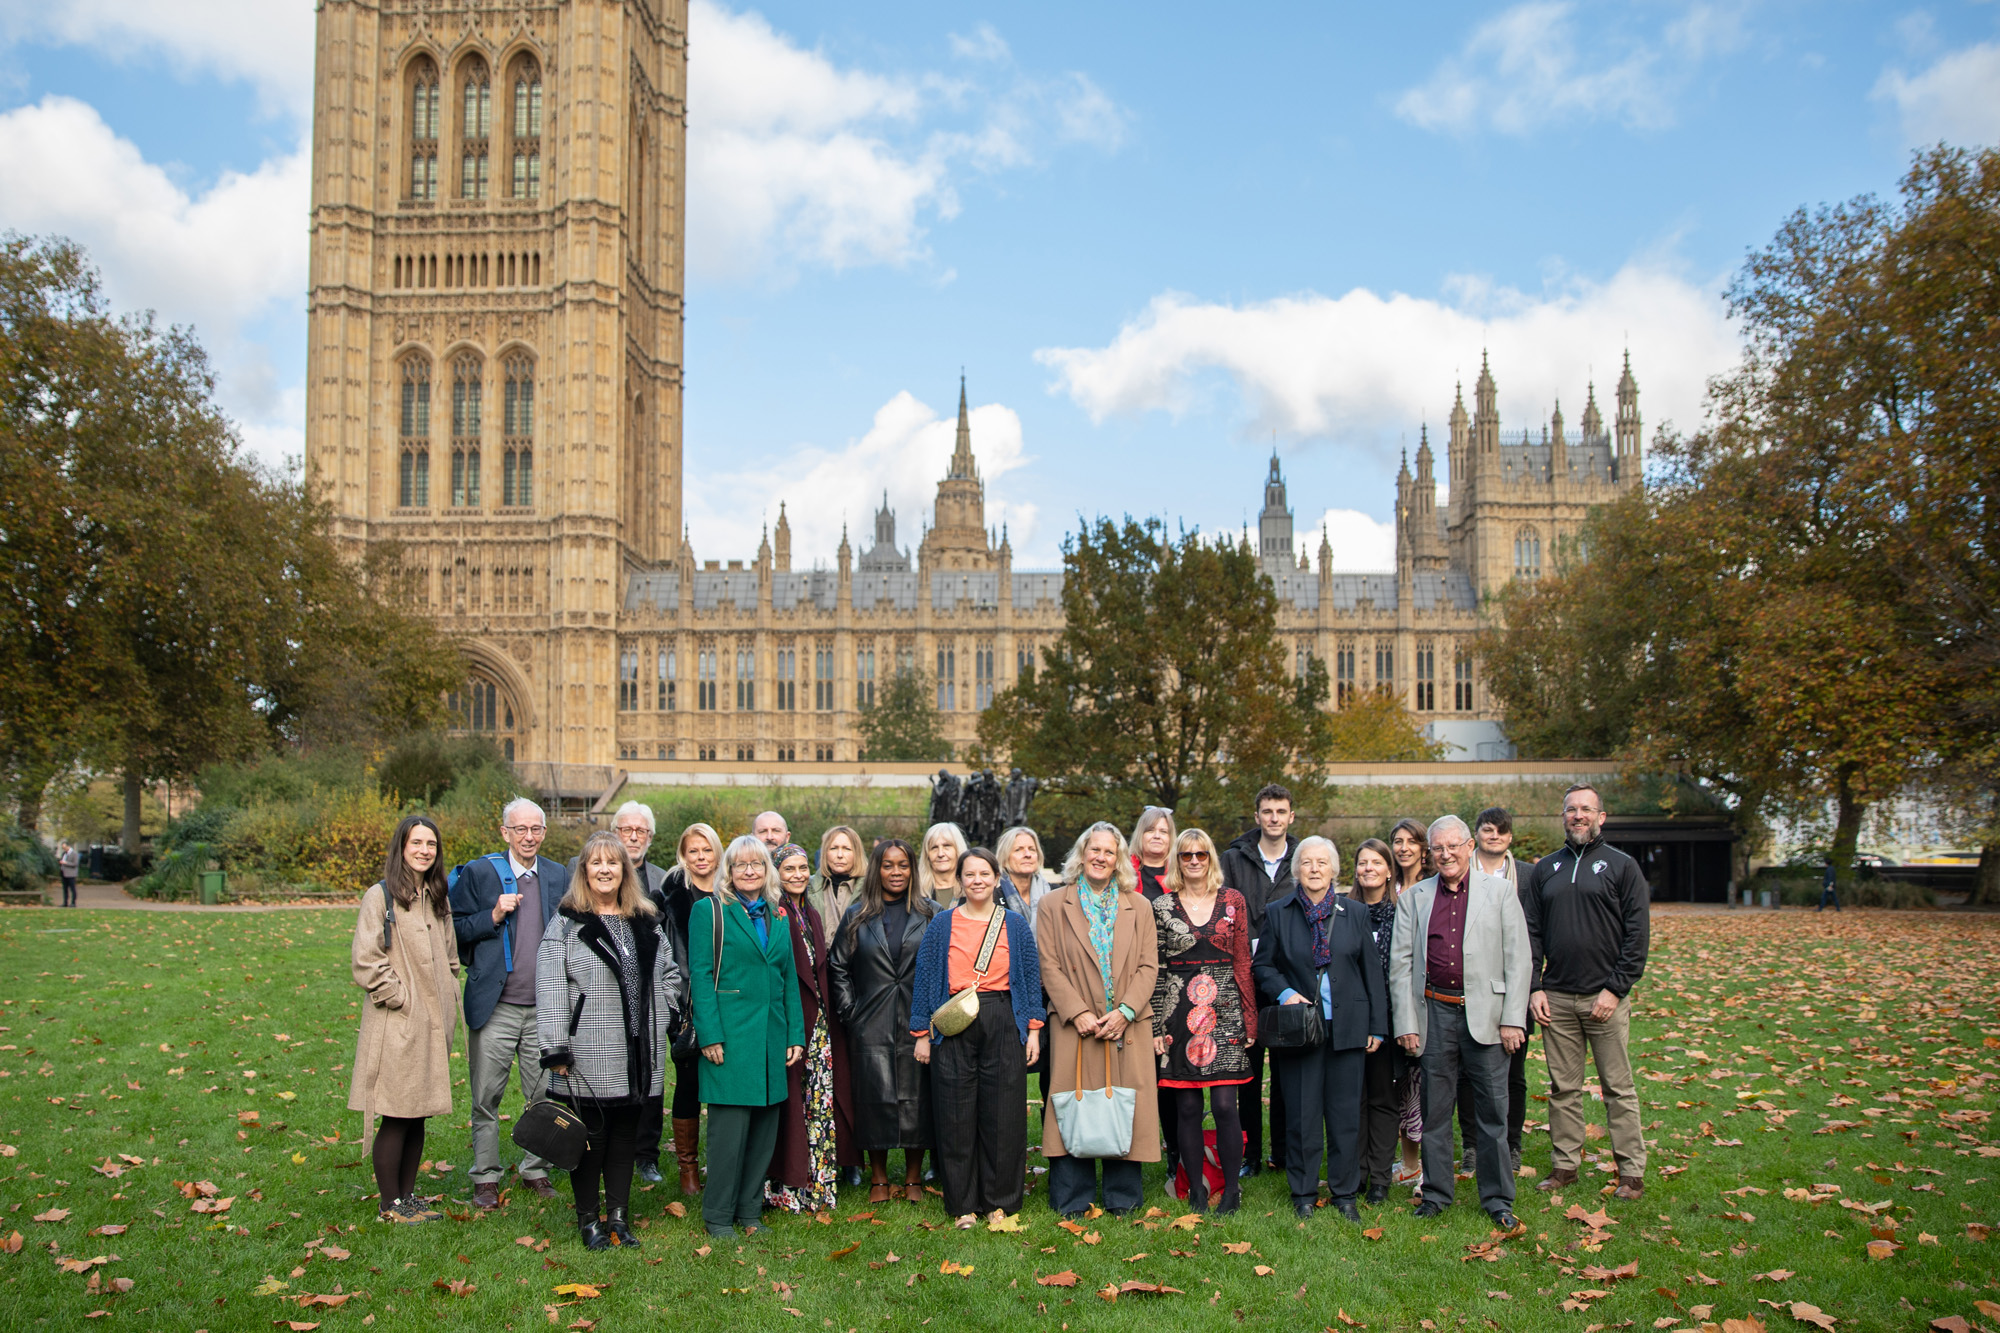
{"points": [[1496, 959]]}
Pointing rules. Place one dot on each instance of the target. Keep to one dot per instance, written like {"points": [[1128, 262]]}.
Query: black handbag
{"points": [[1292, 1027], [686, 1046], [553, 1132]]}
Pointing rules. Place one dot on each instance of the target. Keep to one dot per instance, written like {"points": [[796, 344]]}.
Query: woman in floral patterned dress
{"points": [[1207, 1017], [804, 1174]]}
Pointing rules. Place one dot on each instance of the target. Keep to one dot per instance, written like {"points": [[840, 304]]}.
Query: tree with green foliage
{"points": [[901, 724], [169, 602], [1167, 687]]}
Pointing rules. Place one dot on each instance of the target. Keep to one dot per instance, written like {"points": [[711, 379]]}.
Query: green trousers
{"points": [[740, 1142]]}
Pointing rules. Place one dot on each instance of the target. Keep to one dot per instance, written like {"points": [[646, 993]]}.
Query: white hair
{"points": [[746, 847], [951, 833], [639, 808], [773, 814], [507, 810], [1316, 841], [1447, 823]]}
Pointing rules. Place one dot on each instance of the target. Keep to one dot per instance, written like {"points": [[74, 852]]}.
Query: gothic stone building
{"points": [[494, 369]]}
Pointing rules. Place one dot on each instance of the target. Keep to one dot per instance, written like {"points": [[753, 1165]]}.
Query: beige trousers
{"points": [[1570, 1036]]}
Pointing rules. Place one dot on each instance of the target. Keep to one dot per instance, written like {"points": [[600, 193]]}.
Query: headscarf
{"points": [[790, 849]]}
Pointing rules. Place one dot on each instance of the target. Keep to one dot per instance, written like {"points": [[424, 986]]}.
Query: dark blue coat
{"points": [[473, 899], [1024, 971], [1284, 962]]}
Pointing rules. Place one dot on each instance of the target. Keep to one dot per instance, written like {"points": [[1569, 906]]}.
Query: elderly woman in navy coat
{"points": [[1316, 948]]}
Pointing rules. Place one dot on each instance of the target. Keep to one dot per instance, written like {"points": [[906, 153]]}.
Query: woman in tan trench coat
{"points": [[1097, 912], [406, 957]]}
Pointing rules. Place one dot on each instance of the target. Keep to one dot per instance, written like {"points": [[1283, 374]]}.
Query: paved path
{"points": [[113, 896]]}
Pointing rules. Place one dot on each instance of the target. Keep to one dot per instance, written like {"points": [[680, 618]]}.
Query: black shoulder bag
{"points": [[1292, 1027], [686, 1046], [552, 1130]]}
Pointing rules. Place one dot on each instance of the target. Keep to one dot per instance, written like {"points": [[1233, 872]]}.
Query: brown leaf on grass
{"points": [[52, 1215], [212, 1205], [1136, 1288], [108, 1229], [1074, 1228], [333, 1252], [844, 1251], [1066, 1278], [1185, 1222], [1807, 1313], [1350, 1320], [296, 1325], [1090, 1237], [1987, 1308], [1236, 1247], [12, 1244], [1749, 1323], [330, 1302], [1596, 1221], [1951, 1323], [1775, 1275], [1263, 1270], [1882, 1249], [457, 1286], [1092, 1213], [677, 1209], [81, 1265], [1135, 1258], [1372, 1233], [1977, 1231], [703, 1251], [1705, 1279], [246, 1117], [1597, 1273], [120, 1285], [951, 1267], [583, 1291]]}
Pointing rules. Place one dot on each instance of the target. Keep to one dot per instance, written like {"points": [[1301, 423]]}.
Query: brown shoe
{"points": [[1558, 1178], [486, 1195], [1630, 1187], [540, 1185], [687, 1144]]}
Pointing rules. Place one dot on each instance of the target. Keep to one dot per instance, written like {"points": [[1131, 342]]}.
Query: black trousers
{"points": [[607, 1157], [1253, 1114], [1517, 1096], [1448, 1050], [1073, 1184], [687, 1088], [652, 1123], [1384, 1077], [1322, 1092], [979, 1094]]}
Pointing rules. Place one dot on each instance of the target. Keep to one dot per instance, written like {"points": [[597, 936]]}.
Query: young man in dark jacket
{"points": [[1258, 865], [1589, 927]]}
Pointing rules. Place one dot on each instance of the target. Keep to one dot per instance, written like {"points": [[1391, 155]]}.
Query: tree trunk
{"points": [[1987, 890], [1846, 829], [128, 835], [34, 781]]}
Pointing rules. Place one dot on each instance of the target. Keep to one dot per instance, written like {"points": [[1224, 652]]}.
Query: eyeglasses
{"points": [[518, 829], [1194, 856]]}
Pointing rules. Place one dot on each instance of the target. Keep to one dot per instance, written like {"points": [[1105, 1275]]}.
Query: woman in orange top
{"points": [[979, 1078]]}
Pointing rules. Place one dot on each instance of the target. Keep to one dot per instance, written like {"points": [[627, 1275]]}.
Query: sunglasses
{"points": [[1194, 856]]}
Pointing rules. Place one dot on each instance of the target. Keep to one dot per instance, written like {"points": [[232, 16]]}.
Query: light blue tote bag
{"points": [[1096, 1122]]}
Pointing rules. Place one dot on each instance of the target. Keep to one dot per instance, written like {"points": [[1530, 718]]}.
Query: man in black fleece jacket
{"points": [[1255, 866], [1588, 929]]}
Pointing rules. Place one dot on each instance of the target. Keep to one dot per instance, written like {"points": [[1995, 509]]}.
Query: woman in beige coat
{"points": [[1095, 1007], [406, 957]]}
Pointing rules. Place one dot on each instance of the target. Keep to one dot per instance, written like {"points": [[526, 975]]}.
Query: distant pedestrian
{"points": [[404, 958], [1829, 887], [67, 861], [1589, 923]]}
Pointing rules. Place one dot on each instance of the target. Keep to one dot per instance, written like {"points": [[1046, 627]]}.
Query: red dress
{"points": [[1204, 983]]}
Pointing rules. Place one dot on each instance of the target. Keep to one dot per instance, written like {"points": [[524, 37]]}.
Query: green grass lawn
{"points": [[1781, 1052]]}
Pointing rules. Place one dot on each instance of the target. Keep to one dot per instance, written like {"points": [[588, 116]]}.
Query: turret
{"points": [[1485, 418], [1558, 446], [1626, 462], [784, 541], [1461, 441], [1425, 546], [1593, 420]]}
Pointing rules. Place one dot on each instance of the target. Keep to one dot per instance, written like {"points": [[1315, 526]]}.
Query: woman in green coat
{"points": [[747, 1018]]}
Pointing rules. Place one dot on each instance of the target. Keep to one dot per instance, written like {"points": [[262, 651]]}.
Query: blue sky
{"points": [[1158, 238]]}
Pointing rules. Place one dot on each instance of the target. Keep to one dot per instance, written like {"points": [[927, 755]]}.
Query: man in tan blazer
{"points": [[1458, 977]]}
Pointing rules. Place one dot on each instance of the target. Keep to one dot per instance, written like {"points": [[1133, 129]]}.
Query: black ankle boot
{"points": [[1231, 1200], [620, 1225], [595, 1237]]}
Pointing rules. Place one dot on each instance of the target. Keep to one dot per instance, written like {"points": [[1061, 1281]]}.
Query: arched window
{"points": [[1426, 677], [1527, 554], [475, 129], [527, 129], [413, 489], [518, 418], [466, 386], [424, 108], [483, 708]]}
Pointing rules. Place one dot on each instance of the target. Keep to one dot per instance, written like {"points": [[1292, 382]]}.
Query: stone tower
{"points": [[958, 538], [1274, 525], [494, 328]]}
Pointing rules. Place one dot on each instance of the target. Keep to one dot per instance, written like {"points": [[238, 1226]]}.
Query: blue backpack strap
{"points": [[505, 869]]}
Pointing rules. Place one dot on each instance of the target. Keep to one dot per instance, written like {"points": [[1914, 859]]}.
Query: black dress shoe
{"points": [[1429, 1208], [619, 1224], [1378, 1193], [595, 1236], [1504, 1219], [648, 1172], [1248, 1169], [1346, 1208]]}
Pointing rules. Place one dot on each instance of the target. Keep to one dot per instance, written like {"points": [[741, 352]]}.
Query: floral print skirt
{"points": [[818, 1089]]}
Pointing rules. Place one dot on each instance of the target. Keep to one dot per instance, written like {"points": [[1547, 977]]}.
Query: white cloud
{"points": [[1525, 68], [267, 43], [1956, 100], [222, 259], [1360, 543], [904, 452], [1361, 368], [794, 160]]}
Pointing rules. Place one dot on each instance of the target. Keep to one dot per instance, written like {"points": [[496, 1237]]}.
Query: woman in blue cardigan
{"points": [[979, 1077]]}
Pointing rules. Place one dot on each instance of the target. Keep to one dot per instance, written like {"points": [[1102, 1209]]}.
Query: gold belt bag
{"points": [[961, 1011]]}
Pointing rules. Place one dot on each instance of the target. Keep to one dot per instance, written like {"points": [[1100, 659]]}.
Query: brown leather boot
{"points": [[1630, 1187], [687, 1138], [1558, 1178]]}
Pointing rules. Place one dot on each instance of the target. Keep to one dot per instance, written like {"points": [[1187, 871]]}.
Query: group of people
{"points": [[829, 1013]]}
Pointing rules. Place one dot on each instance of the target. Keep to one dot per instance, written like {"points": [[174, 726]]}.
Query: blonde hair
{"points": [[853, 841], [706, 831], [1122, 874], [950, 832], [1196, 840], [1151, 815], [750, 845], [632, 900], [1004, 848]]}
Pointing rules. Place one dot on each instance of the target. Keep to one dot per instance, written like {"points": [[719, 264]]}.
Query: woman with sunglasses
{"points": [[1206, 997]]}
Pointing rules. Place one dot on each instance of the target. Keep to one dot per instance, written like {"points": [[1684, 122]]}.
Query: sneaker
{"points": [[1514, 1157], [396, 1210], [425, 1213]]}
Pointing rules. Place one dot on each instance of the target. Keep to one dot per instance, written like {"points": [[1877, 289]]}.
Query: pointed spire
{"points": [[962, 464]]}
